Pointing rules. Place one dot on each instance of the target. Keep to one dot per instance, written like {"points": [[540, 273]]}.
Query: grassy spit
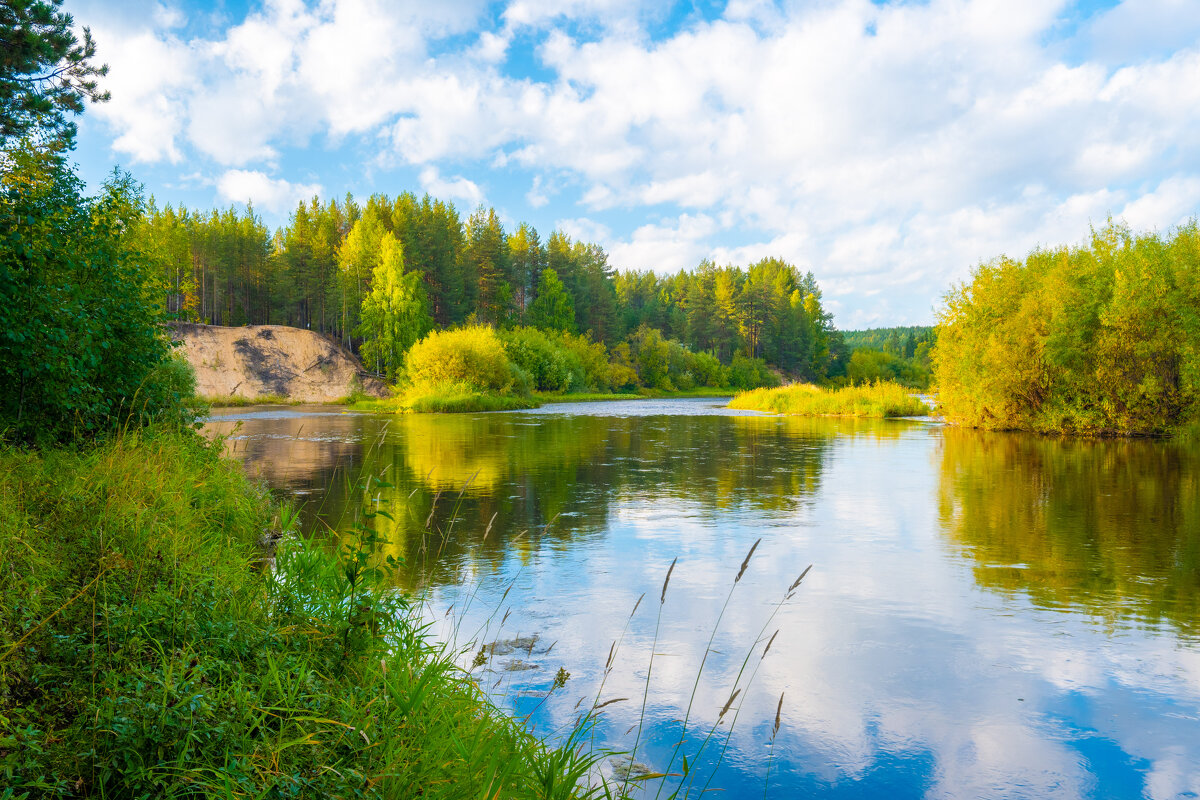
{"points": [[237, 400], [879, 399], [446, 397], [146, 652], [465, 398]]}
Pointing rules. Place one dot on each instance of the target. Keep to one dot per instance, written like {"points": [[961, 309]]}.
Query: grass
{"points": [[146, 652], [237, 400], [640, 394], [699, 391], [585, 397], [880, 399], [448, 397]]}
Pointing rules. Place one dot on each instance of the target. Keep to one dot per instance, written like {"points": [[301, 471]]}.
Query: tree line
{"points": [[339, 267]]}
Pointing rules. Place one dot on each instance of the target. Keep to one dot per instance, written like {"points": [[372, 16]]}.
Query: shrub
{"points": [[750, 373], [550, 366], [592, 355], [621, 377], [1100, 339], [473, 355], [708, 370], [81, 335]]}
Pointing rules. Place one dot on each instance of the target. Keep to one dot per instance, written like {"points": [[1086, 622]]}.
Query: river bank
{"points": [[144, 650]]}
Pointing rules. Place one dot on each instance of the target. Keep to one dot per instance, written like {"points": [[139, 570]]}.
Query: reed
{"points": [[447, 397], [879, 399]]}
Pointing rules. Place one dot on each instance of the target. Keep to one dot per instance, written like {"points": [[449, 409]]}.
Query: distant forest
{"points": [[227, 268], [901, 354]]}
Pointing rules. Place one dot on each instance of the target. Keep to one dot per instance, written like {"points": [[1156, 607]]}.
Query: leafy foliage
{"points": [[81, 345], [902, 354], [1100, 339], [550, 366], [552, 309], [395, 313], [473, 355]]}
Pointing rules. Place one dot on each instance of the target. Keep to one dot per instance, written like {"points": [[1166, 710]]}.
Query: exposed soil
{"points": [[259, 360]]}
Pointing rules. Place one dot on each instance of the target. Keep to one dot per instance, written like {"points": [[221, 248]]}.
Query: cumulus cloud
{"points": [[466, 192], [272, 194], [893, 141], [584, 229], [665, 247]]}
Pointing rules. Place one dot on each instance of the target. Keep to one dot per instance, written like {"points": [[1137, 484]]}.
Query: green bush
{"points": [[82, 345], [1100, 339], [592, 355], [750, 373], [707, 370], [550, 366], [868, 364]]}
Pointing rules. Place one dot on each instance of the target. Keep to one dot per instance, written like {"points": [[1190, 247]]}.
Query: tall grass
{"points": [[237, 400], [700, 748], [880, 399], [146, 652], [449, 397]]}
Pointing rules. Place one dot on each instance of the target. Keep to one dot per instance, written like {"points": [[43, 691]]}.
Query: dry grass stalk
{"points": [[746, 560]]}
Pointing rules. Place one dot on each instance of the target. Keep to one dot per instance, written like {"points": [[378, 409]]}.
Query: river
{"points": [[987, 615]]}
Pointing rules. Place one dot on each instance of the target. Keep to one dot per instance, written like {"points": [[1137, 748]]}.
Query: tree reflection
{"points": [[527, 481], [1111, 527]]}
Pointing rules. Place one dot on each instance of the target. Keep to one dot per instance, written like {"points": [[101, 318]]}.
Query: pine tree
{"points": [[45, 72]]}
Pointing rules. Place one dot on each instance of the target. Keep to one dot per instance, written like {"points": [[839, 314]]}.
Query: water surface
{"points": [[987, 615]]}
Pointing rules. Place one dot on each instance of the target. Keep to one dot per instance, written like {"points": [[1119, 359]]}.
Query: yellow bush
{"points": [[472, 355]]}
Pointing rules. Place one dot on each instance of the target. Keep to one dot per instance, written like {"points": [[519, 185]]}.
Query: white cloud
{"points": [[468, 195], [898, 142], [584, 229], [666, 247], [536, 196], [148, 78], [1171, 203], [272, 194]]}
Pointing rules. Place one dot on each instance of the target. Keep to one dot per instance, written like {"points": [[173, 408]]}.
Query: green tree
{"points": [[45, 72], [395, 313], [357, 258], [552, 309]]}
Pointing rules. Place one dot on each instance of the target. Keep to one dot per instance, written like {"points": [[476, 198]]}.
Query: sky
{"points": [[889, 147]]}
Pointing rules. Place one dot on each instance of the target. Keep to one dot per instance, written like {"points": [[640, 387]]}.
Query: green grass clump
{"points": [[146, 652], [237, 400], [586, 397], [880, 399], [447, 397]]}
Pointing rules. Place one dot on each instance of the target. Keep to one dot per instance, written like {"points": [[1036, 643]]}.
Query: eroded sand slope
{"points": [[258, 360]]}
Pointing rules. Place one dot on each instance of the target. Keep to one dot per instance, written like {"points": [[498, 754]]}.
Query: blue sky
{"points": [[886, 146]]}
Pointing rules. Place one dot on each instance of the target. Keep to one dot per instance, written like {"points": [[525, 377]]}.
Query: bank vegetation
{"points": [[1099, 339]]}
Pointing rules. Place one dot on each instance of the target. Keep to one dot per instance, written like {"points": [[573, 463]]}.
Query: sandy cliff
{"points": [[258, 360]]}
